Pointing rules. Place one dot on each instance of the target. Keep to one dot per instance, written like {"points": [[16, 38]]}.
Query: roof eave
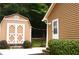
{"points": [[48, 12]]}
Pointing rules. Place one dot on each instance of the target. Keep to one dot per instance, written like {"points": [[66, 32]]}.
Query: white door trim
{"points": [[16, 25], [55, 36]]}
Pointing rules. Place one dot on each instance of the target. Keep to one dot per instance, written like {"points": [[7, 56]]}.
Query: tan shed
{"points": [[15, 29], [62, 21]]}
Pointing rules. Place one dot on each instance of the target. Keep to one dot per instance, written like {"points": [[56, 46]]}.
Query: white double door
{"points": [[15, 33]]}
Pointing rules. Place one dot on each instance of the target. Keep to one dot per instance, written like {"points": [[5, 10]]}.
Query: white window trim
{"points": [[57, 28]]}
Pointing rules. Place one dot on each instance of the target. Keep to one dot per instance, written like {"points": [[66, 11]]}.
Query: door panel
{"points": [[11, 33], [15, 33], [20, 33]]}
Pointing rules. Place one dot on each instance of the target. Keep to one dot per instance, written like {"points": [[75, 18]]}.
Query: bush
{"points": [[26, 44], [3, 44], [63, 47]]}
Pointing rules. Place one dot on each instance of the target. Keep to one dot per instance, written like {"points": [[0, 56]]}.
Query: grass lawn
{"points": [[38, 42]]}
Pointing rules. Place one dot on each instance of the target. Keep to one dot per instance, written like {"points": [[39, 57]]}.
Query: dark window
{"points": [[55, 27], [55, 30]]}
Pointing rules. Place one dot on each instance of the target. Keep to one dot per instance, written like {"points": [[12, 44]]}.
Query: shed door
{"points": [[55, 29], [15, 33]]}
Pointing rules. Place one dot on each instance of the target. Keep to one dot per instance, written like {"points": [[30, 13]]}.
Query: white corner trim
{"points": [[58, 29], [30, 34], [0, 27], [47, 35]]}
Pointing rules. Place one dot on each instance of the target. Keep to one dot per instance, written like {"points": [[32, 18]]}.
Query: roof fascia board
{"points": [[49, 11]]}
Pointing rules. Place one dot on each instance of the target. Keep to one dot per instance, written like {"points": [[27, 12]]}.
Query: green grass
{"points": [[38, 43]]}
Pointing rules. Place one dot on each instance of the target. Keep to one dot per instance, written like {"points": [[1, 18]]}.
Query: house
{"points": [[15, 29], [62, 21]]}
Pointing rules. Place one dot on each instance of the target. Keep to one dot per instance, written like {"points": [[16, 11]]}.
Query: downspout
{"points": [[47, 35], [46, 22]]}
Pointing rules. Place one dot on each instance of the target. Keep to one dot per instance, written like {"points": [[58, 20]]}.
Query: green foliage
{"points": [[35, 12], [3, 45], [24, 9], [63, 47], [26, 44]]}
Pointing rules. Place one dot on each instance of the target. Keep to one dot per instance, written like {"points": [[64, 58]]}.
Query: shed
{"points": [[15, 29]]}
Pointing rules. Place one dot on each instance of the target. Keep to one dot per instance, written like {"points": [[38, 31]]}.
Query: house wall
{"points": [[11, 20], [3, 30], [68, 15]]}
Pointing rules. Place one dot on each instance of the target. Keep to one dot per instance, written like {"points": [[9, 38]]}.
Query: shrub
{"points": [[26, 44], [63, 47], [3, 44]]}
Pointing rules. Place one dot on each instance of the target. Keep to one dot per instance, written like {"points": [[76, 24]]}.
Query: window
{"points": [[16, 17], [55, 27]]}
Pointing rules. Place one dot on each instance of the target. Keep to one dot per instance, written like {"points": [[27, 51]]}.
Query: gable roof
{"points": [[25, 18], [16, 14], [49, 11]]}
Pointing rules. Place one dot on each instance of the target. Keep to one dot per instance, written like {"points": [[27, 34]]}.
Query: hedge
{"points": [[63, 47]]}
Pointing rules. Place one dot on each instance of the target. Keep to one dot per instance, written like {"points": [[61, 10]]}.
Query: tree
{"points": [[35, 12]]}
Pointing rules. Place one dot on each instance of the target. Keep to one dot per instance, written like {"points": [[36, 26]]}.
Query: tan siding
{"points": [[3, 30], [68, 15], [27, 31]]}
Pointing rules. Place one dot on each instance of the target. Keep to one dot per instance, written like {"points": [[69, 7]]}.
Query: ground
{"points": [[29, 51], [38, 42]]}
